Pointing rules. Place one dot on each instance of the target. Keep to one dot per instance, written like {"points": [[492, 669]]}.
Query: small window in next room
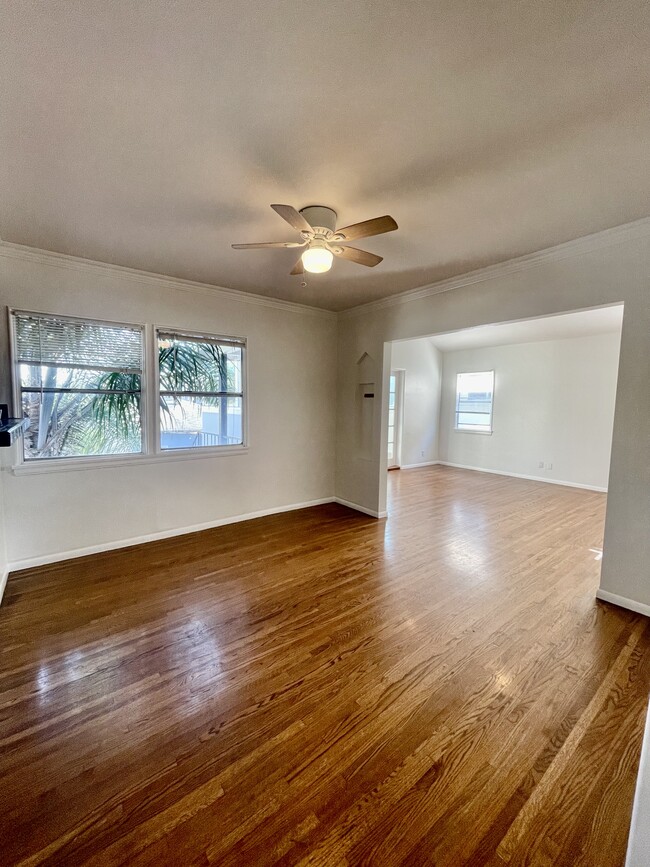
{"points": [[474, 392], [201, 390]]}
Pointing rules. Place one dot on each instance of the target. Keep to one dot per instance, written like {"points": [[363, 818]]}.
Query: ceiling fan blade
{"points": [[297, 268], [270, 244], [369, 227], [361, 257], [295, 219]]}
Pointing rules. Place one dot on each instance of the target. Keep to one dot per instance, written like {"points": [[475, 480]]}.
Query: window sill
{"points": [[62, 465], [485, 433]]}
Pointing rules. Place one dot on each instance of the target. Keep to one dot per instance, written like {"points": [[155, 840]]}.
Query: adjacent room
{"points": [[539, 393], [324, 434]]}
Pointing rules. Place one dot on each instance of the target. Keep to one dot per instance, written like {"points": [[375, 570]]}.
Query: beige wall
{"points": [[612, 268], [292, 370]]}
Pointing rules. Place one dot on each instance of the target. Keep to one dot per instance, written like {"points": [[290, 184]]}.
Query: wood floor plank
{"points": [[320, 687]]}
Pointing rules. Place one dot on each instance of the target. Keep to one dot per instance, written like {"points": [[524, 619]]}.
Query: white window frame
{"points": [[76, 461], [469, 429], [155, 446], [149, 404]]}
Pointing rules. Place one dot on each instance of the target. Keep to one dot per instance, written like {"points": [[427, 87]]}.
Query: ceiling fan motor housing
{"points": [[320, 218]]}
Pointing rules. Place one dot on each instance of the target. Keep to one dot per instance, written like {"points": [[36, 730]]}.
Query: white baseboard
{"points": [[523, 476], [45, 559], [3, 584], [359, 508], [623, 602], [423, 464]]}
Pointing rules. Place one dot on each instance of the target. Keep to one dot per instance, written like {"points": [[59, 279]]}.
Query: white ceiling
{"points": [[601, 320], [154, 134]]}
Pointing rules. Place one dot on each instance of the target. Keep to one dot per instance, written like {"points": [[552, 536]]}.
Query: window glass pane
{"points": [[474, 393], [74, 425], [234, 368], [33, 376], [198, 365], [391, 417], [391, 452], [199, 421], [193, 372]]}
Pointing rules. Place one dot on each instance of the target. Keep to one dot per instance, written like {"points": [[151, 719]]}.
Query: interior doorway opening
{"points": [[547, 417]]}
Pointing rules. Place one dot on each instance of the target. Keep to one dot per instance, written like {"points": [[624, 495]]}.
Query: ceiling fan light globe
{"points": [[317, 260]]}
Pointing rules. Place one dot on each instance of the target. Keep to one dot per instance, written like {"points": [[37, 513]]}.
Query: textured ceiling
{"points": [[154, 134]]}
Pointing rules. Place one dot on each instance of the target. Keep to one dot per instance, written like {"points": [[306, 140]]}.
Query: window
{"points": [[392, 393], [80, 384], [201, 390], [474, 393], [395, 401]]}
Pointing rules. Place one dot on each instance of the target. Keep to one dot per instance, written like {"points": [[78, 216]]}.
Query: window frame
{"points": [[196, 451], [476, 430], [77, 461], [149, 404]]}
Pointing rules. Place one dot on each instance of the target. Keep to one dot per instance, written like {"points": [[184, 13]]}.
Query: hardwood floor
{"points": [[320, 688]]}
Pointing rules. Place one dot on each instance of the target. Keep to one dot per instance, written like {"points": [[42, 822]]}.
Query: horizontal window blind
{"points": [[56, 341], [193, 338]]}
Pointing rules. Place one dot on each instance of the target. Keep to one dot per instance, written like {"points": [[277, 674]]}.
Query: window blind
{"points": [[56, 341], [194, 338]]}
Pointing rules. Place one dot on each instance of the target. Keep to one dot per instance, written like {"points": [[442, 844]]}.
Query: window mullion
{"points": [[151, 421]]}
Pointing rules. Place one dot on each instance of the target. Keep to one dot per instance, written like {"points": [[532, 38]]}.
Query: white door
{"points": [[395, 401]]}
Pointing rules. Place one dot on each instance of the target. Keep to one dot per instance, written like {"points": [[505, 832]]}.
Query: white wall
{"points": [[553, 402], [292, 370], [422, 363], [608, 268]]}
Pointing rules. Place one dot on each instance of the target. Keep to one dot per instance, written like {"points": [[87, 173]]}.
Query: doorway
{"points": [[551, 409]]}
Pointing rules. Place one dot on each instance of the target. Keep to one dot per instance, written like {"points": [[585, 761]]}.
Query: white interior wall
{"points": [[609, 268], [422, 363], [290, 460], [553, 403]]}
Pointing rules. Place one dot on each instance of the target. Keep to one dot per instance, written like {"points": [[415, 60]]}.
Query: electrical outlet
{"points": [[541, 465], [548, 466], [421, 454]]}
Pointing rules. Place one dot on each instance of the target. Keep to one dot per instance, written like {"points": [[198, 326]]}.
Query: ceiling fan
{"points": [[317, 227]]}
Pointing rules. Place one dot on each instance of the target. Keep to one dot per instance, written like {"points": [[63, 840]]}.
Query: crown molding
{"points": [[637, 230], [74, 263]]}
